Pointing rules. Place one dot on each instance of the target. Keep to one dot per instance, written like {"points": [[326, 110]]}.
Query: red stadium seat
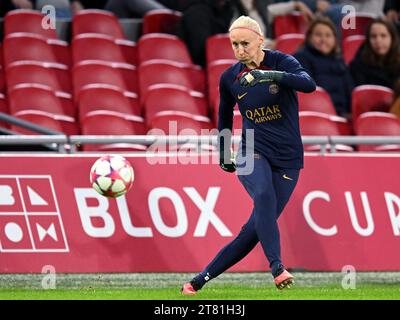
{"points": [[219, 47], [290, 23], [289, 43], [2, 79], [378, 124], [179, 123], [106, 97], [112, 123], [321, 124], [361, 23], [39, 97], [54, 75], [170, 72], [122, 75], [161, 21], [214, 72], [129, 51], [61, 123], [91, 46], [25, 46], [162, 46], [163, 97], [3, 103], [318, 101], [97, 21], [370, 98], [350, 45], [30, 21], [62, 51]]}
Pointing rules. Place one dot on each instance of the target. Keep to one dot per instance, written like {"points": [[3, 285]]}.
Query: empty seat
{"points": [[60, 123], [30, 21], [179, 123], [214, 72], [290, 23], [359, 26], [318, 101], [39, 97], [350, 45], [170, 72], [370, 98], [62, 51], [91, 46], [170, 98], [378, 124], [121, 75], [162, 46], [96, 21], [321, 124], [106, 97], [25, 46], [161, 21], [289, 43], [111, 123], [219, 47], [54, 75], [2, 79], [3, 103]]}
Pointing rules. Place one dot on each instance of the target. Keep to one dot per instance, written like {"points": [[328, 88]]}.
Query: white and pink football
{"points": [[111, 176]]}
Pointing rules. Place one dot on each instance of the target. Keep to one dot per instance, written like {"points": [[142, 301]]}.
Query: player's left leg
{"points": [[284, 181]]}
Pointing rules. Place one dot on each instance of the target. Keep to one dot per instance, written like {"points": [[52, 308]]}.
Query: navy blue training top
{"points": [[270, 108]]}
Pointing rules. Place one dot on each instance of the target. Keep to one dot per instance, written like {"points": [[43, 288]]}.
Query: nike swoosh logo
{"points": [[241, 96], [286, 177]]}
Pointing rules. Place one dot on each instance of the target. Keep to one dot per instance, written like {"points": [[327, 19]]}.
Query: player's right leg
{"points": [[232, 253]]}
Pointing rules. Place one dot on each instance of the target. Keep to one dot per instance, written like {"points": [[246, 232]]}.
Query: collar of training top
{"points": [[261, 67]]}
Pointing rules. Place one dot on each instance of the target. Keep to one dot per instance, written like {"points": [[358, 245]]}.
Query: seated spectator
{"points": [[320, 55], [395, 109], [8, 5], [392, 11], [378, 59]]}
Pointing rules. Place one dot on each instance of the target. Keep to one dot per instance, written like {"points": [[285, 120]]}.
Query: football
{"points": [[111, 176]]}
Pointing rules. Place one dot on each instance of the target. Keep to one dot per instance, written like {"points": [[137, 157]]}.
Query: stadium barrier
{"points": [[345, 211]]}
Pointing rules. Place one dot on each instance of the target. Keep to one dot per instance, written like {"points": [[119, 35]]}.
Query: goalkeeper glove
{"points": [[228, 166], [259, 76]]}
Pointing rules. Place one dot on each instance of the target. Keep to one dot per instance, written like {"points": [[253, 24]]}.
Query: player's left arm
{"points": [[289, 73]]}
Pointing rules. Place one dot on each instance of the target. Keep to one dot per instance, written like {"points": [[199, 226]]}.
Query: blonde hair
{"points": [[245, 22]]}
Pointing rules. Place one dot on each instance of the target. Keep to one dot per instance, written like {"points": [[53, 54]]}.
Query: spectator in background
{"points": [[392, 11], [132, 8], [202, 19], [321, 57], [378, 59], [395, 109]]}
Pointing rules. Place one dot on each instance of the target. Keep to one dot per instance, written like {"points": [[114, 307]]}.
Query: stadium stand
{"points": [[289, 43], [350, 45], [94, 97], [97, 21], [321, 124], [54, 75], [378, 124], [122, 75], [29, 21], [318, 101], [161, 21], [162, 46], [161, 97], [214, 72], [290, 23], [218, 47], [370, 98]]}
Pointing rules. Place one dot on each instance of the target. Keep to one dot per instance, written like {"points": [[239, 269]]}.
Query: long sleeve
{"points": [[225, 112], [295, 76]]}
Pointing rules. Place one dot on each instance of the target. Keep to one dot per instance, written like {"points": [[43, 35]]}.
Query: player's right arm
{"points": [[225, 121]]}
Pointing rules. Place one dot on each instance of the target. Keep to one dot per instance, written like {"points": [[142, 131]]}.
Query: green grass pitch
{"points": [[229, 286]]}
